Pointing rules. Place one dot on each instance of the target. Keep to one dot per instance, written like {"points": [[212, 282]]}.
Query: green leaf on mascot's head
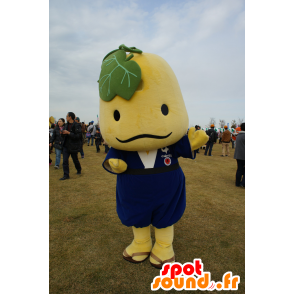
{"points": [[119, 75]]}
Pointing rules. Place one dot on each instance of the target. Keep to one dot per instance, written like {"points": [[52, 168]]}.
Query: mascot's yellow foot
{"points": [[140, 248], [163, 252]]}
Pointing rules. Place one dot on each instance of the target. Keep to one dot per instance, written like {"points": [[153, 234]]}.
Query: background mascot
{"points": [[51, 121], [144, 119]]}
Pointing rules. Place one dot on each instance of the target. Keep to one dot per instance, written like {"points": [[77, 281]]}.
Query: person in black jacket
{"points": [[240, 157], [58, 139], [98, 140], [72, 144], [50, 160], [77, 120], [51, 130], [211, 133]]}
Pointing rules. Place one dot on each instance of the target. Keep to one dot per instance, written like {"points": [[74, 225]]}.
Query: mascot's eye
{"points": [[164, 109], [116, 115]]}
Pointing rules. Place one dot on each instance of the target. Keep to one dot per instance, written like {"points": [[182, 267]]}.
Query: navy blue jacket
{"points": [[154, 195]]}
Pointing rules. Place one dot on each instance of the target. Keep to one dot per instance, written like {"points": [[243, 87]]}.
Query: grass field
{"points": [[87, 238]]}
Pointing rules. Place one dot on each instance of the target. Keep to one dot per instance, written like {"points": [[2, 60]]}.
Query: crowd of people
{"points": [[69, 137], [225, 138]]}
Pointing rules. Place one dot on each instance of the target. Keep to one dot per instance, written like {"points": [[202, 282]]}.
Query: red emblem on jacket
{"points": [[167, 161]]}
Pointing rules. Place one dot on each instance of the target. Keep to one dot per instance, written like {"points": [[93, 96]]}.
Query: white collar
{"points": [[148, 158]]}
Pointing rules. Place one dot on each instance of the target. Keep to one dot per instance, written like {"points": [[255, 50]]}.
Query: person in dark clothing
{"points": [[72, 144], [197, 128], [240, 157], [105, 144], [58, 139], [106, 147], [51, 129], [50, 160], [77, 120], [233, 143], [211, 133], [98, 140], [84, 132]]}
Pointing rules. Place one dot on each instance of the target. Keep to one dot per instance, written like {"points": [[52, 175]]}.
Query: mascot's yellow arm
{"points": [[197, 139], [117, 165]]}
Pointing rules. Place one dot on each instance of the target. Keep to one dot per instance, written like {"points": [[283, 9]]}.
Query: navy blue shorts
{"points": [[157, 199]]}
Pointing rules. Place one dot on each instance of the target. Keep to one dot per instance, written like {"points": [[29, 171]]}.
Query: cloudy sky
{"points": [[203, 41]]}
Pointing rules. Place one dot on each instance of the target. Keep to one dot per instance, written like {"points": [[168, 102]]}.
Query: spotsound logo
{"points": [[190, 276]]}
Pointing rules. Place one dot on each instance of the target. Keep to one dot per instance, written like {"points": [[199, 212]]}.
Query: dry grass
{"points": [[87, 238]]}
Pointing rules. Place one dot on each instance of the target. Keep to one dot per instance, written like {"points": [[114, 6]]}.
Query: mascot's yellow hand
{"points": [[197, 139], [117, 165]]}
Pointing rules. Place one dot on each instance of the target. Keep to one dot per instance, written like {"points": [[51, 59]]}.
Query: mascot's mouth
{"points": [[143, 136]]}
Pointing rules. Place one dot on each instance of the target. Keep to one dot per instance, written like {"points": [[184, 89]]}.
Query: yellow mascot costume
{"points": [[144, 119], [51, 121]]}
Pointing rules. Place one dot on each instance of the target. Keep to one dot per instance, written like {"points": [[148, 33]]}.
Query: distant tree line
{"points": [[222, 122]]}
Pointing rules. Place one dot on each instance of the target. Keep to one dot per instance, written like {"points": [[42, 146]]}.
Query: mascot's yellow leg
{"points": [[162, 251], [141, 246]]}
